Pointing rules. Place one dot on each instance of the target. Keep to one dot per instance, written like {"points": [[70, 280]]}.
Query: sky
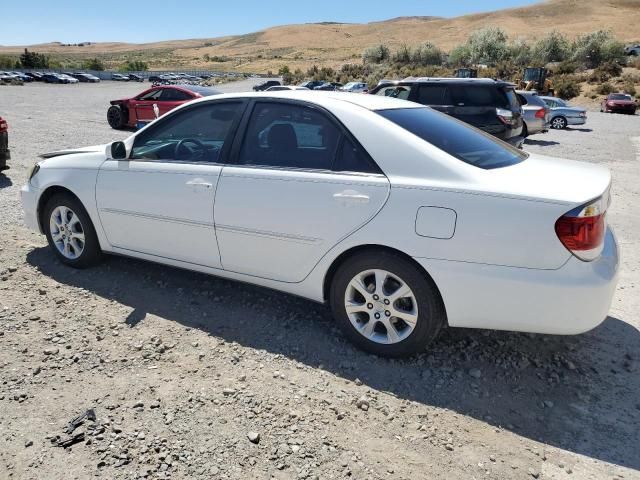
{"points": [[72, 21]]}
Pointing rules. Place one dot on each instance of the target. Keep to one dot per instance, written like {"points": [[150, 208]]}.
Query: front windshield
{"points": [[619, 96], [456, 138]]}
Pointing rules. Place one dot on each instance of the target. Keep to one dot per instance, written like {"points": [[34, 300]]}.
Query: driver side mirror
{"points": [[118, 151]]}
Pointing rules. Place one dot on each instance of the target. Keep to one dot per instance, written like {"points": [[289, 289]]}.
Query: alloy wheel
{"points": [[381, 306], [67, 232]]}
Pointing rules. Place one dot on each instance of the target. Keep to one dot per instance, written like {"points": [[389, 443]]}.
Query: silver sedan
{"points": [[563, 114]]}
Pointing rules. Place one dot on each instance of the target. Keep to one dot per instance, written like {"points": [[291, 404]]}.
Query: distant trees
{"points": [[134, 66], [7, 62], [93, 64], [33, 60]]}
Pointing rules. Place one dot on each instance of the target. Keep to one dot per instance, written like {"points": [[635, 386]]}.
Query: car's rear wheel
{"points": [[525, 130], [70, 232], [385, 304], [116, 117], [559, 123]]}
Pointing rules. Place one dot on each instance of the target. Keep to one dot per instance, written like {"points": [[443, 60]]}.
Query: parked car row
{"points": [[353, 87]]}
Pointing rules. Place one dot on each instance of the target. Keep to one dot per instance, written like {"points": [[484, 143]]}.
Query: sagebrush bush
{"points": [[605, 88], [566, 86]]}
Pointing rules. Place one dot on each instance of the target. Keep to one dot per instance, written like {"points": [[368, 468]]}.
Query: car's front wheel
{"points": [[116, 117], [70, 232], [385, 304]]}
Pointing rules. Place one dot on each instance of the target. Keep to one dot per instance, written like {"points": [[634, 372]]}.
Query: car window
{"points": [[522, 99], [290, 136], [174, 95], [152, 95], [395, 91], [456, 138], [433, 95], [478, 96], [194, 134], [352, 158]]}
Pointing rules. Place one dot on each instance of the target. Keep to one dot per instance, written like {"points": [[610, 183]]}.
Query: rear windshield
{"points": [[456, 138]]}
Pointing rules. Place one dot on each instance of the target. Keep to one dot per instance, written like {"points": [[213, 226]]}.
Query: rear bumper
{"points": [[572, 299]]}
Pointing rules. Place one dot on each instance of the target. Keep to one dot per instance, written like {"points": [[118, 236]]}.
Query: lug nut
{"points": [[386, 301], [369, 306], [377, 315], [387, 313], [376, 297]]}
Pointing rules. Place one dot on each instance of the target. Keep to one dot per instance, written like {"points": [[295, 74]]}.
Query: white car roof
{"points": [[325, 98]]}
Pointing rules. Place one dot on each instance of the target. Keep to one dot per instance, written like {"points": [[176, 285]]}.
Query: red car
{"points": [[619, 102], [150, 104], [4, 144]]}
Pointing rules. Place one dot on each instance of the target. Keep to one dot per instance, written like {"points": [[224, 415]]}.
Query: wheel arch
{"points": [[340, 259], [46, 195]]}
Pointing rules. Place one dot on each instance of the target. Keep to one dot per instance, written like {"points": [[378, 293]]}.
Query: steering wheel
{"points": [[190, 153]]}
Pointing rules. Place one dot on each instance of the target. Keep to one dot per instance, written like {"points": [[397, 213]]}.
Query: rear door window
{"points": [[433, 95], [456, 138]]}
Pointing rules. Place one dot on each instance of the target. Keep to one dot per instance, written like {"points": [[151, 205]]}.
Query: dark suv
{"points": [[264, 85], [490, 105]]}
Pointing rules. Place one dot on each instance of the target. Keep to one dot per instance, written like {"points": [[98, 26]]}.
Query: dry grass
{"points": [[332, 44]]}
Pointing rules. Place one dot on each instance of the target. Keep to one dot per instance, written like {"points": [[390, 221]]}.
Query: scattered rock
{"points": [[254, 437]]}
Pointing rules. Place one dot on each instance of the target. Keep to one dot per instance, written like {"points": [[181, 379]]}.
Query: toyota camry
{"points": [[402, 219]]}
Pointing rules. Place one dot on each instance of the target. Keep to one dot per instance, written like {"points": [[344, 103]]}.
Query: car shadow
{"points": [[575, 129], [5, 181], [577, 393], [541, 143]]}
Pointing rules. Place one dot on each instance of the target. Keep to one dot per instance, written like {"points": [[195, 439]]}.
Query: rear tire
{"points": [[395, 309], [559, 123], [116, 117], [525, 130], [70, 232]]}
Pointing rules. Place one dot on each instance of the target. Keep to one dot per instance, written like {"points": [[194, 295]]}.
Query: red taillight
{"points": [[3, 125], [540, 113], [582, 229]]}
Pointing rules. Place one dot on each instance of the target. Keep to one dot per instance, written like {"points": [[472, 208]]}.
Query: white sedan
{"points": [[401, 218]]}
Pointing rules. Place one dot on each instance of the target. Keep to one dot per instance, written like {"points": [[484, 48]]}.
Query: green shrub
{"points": [[566, 67], [427, 54], [378, 54], [553, 47], [566, 86], [629, 88], [594, 49], [605, 88]]}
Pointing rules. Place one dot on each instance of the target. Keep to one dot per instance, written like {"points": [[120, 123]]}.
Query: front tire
{"points": [[116, 117], [385, 304], [70, 232]]}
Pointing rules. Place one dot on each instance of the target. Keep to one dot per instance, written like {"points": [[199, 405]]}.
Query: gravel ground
{"points": [[191, 376]]}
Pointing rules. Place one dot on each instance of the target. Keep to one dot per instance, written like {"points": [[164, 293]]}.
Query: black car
{"points": [[312, 84], [135, 78], [37, 76], [4, 144], [53, 78], [329, 86], [264, 85], [490, 105]]}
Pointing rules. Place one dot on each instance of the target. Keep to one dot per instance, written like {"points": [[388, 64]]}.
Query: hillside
{"points": [[333, 44]]}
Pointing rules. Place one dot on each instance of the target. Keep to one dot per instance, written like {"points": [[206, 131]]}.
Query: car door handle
{"points": [[199, 183], [351, 196]]}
